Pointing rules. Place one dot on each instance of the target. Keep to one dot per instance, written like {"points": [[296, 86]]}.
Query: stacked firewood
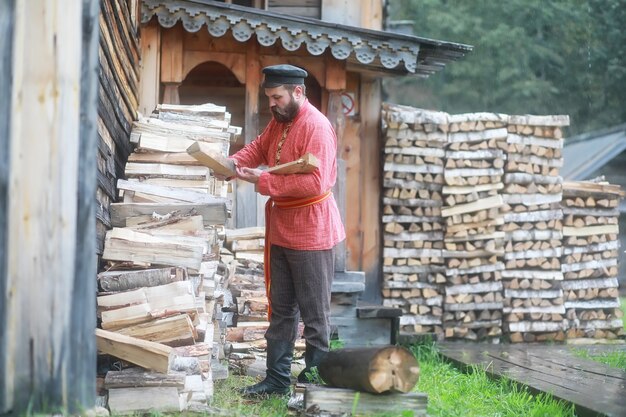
{"points": [[245, 283], [534, 308], [413, 235], [473, 245], [245, 338], [159, 291], [589, 263]]}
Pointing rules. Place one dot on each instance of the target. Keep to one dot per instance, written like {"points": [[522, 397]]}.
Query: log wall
{"points": [[118, 91], [474, 235]]}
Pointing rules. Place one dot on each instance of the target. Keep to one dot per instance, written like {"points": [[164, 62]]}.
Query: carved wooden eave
{"points": [[364, 49]]}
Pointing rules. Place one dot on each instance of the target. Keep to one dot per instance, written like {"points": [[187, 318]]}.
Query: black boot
{"points": [[278, 376], [312, 357]]}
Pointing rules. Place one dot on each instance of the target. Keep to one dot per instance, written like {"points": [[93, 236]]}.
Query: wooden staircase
{"points": [[358, 324]]}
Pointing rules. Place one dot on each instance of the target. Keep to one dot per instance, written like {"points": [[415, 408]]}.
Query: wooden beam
{"points": [[335, 74], [369, 198], [7, 20], [246, 199], [150, 68], [172, 55], [339, 401], [82, 347]]}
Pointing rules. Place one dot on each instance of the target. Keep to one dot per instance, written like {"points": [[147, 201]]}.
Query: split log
{"points": [[210, 157], [144, 400], [212, 213], [171, 331], [137, 377], [149, 355], [374, 370], [155, 192], [130, 280], [305, 164]]}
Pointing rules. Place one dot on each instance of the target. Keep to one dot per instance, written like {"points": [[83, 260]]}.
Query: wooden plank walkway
{"points": [[594, 388]]}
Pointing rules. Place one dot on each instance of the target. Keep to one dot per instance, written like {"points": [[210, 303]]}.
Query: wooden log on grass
{"points": [[374, 370], [344, 402]]}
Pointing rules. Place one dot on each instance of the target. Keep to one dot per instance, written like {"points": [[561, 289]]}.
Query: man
{"points": [[303, 225]]}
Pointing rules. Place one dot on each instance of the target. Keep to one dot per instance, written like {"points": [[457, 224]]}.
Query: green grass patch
{"points": [[227, 398], [451, 393], [473, 393], [623, 307], [614, 359]]}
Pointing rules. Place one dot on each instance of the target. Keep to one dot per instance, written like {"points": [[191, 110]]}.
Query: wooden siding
{"points": [[48, 282], [118, 96], [7, 10], [303, 8]]}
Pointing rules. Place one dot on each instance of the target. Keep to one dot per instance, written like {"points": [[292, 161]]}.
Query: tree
{"points": [[530, 56]]}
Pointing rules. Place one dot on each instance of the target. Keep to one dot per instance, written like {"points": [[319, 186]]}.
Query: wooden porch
{"points": [[594, 388]]}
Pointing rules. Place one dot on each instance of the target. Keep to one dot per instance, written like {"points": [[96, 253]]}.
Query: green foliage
{"points": [[313, 376], [336, 344], [530, 56]]}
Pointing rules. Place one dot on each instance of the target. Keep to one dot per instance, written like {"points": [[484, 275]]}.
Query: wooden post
{"points": [[171, 63], [82, 346], [150, 76], [335, 84], [7, 11], [246, 199], [43, 337], [371, 181]]}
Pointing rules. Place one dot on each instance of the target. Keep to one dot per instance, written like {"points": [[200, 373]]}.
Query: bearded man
{"points": [[303, 225]]}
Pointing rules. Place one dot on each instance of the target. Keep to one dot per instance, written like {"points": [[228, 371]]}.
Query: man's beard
{"points": [[288, 113]]}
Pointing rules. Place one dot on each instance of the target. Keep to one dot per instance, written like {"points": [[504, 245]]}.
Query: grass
{"points": [[451, 393], [615, 359], [455, 393], [228, 399]]}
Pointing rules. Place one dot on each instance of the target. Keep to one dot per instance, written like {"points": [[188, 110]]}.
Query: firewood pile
{"points": [[533, 225], [502, 238], [590, 253], [159, 293], [413, 232], [245, 339], [473, 244]]}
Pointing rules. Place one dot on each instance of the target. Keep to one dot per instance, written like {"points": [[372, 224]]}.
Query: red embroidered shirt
{"points": [[315, 227]]}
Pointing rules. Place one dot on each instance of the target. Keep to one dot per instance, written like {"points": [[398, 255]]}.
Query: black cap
{"points": [[278, 75]]}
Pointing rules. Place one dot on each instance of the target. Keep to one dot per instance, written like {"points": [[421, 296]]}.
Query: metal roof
{"points": [[370, 49], [584, 154]]}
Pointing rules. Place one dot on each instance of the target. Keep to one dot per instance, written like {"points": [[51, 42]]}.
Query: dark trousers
{"points": [[300, 286]]}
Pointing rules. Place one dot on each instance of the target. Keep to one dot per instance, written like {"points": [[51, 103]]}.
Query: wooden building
{"points": [[195, 51], [48, 93], [74, 76]]}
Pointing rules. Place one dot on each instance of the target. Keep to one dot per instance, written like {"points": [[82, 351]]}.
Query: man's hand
{"points": [[249, 174]]}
